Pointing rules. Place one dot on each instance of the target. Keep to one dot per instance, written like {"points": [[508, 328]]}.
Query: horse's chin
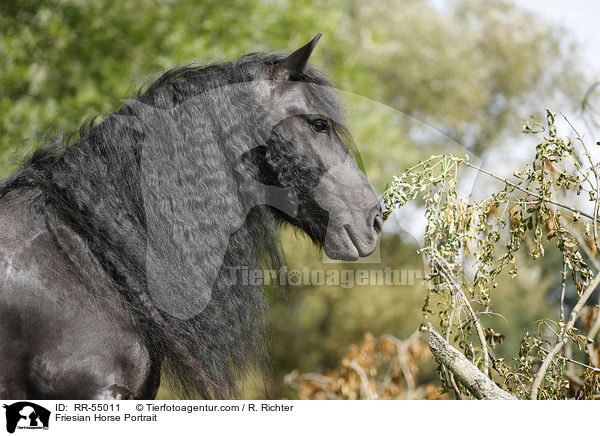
{"points": [[347, 254], [343, 245]]}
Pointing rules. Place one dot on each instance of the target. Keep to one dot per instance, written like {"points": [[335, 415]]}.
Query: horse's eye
{"points": [[320, 126]]}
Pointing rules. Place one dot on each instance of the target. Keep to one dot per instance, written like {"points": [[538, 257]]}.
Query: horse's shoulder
{"points": [[29, 256], [33, 267]]}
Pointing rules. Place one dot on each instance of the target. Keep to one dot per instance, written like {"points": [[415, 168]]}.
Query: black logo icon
{"points": [[26, 415]]}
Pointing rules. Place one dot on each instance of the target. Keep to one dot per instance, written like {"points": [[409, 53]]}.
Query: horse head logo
{"points": [[26, 415]]}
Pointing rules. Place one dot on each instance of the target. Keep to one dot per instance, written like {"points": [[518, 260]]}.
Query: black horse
{"points": [[119, 252]]}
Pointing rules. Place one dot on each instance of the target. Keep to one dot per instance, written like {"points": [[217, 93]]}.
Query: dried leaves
{"points": [[380, 368], [560, 360], [492, 234]]}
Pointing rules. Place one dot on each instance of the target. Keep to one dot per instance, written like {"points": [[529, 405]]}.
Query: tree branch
{"points": [[563, 337], [365, 390], [525, 191], [447, 274], [476, 382]]}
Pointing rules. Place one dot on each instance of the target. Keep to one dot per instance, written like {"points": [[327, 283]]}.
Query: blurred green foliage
{"points": [[415, 78]]}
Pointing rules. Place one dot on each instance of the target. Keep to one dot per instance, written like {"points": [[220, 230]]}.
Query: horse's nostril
{"points": [[377, 223]]}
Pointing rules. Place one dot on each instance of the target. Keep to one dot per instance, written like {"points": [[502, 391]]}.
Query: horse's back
{"points": [[56, 339]]}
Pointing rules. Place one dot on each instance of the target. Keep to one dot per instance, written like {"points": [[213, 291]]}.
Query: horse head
{"points": [[305, 153]]}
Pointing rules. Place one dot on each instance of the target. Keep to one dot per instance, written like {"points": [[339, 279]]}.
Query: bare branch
{"points": [[365, 390], [323, 382], [447, 274], [402, 350], [563, 291], [476, 382], [563, 336]]}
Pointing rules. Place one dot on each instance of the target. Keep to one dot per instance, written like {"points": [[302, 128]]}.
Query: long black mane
{"points": [[101, 185]]}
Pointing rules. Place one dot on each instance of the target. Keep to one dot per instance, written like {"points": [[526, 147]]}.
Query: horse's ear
{"points": [[296, 62]]}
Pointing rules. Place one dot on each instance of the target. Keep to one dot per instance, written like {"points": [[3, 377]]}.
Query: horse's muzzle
{"points": [[353, 238]]}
